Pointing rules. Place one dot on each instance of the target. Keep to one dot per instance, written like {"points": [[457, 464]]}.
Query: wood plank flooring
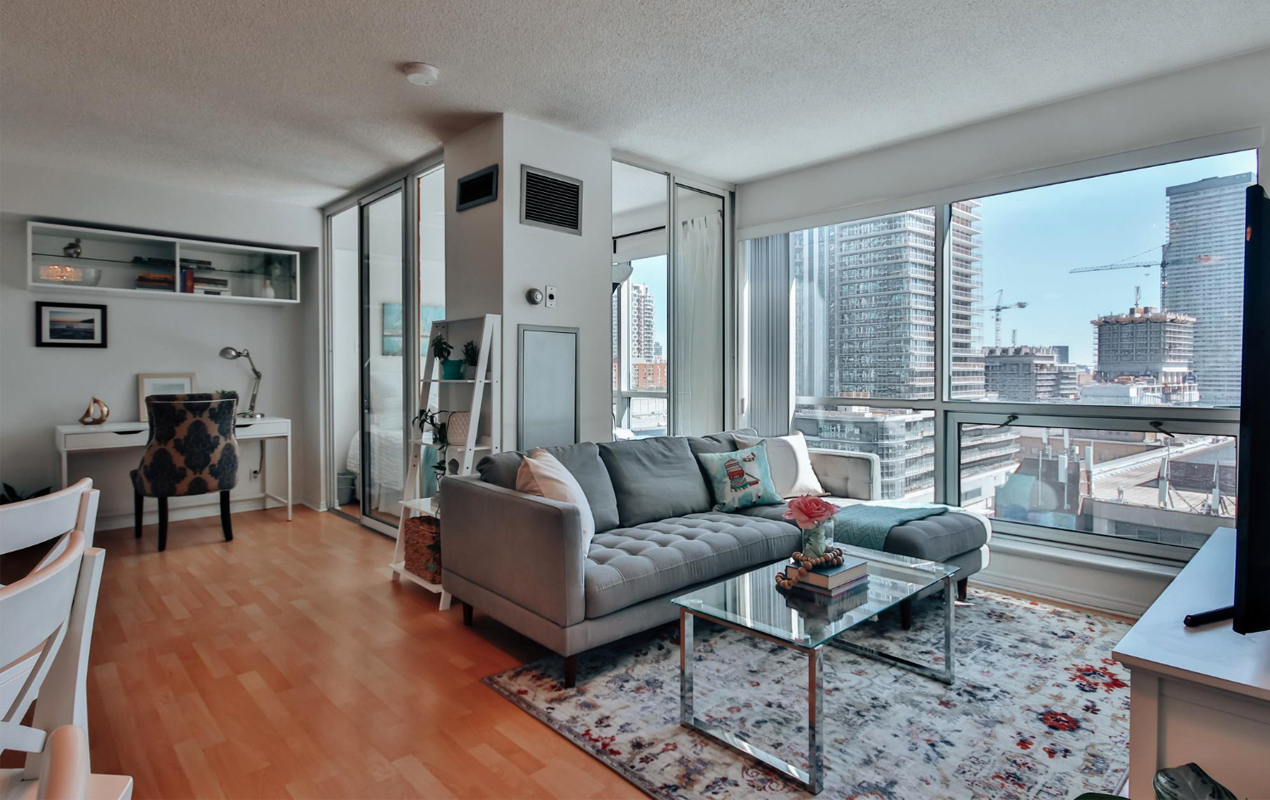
{"points": [[287, 664]]}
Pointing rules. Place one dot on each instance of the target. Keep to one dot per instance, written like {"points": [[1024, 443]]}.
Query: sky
{"points": [[652, 273], [1032, 239]]}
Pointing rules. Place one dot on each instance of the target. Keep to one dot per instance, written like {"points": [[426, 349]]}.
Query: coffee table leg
{"points": [[686, 713], [815, 720], [950, 605]]}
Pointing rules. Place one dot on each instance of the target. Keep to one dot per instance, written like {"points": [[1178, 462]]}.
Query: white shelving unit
{"points": [[484, 435], [158, 267]]}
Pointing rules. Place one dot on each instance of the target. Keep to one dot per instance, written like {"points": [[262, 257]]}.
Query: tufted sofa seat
{"points": [[628, 565]]}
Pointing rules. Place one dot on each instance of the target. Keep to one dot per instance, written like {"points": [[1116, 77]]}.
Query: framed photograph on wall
{"points": [[149, 383], [392, 329], [70, 325]]}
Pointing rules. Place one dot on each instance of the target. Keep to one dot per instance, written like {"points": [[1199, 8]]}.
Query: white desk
{"points": [[119, 435], [1198, 694]]}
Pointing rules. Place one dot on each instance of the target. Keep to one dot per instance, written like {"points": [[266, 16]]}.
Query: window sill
{"points": [[1076, 576]]}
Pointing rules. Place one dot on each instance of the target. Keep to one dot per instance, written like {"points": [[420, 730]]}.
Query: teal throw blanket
{"points": [[867, 524]]}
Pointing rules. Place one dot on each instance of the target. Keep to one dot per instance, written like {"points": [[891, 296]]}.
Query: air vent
{"points": [[550, 201], [477, 189]]}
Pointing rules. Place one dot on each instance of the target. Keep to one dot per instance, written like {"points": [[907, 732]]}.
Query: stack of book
{"points": [[833, 581], [156, 281], [198, 283]]}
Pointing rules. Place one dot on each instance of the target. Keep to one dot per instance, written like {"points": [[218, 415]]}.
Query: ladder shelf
{"points": [[484, 435]]}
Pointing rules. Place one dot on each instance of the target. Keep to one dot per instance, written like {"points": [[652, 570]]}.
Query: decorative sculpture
{"points": [[91, 413]]}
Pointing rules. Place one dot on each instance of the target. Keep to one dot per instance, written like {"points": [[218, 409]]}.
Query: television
{"points": [[1251, 611]]}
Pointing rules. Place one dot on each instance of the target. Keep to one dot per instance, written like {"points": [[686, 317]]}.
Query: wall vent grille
{"points": [[550, 201], [477, 189]]}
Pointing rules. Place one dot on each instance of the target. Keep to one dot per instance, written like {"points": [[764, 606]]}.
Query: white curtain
{"points": [[697, 360]]}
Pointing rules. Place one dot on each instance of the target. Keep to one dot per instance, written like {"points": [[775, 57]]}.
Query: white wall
{"points": [[42, 387], [1216, 98], [491, 259], [579, 266]]}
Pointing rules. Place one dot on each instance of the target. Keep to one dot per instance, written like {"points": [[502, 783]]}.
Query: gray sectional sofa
{"points": [[520, 558]]}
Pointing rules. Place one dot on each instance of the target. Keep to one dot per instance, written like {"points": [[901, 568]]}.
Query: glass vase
{"points": [[818, 539]]}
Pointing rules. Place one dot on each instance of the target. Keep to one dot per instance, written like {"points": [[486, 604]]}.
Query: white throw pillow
{"points": [[543, 475], [789, 462]]}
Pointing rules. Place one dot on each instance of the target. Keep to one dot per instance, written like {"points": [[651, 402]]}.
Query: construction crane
{"points": [[1162, 264], [996, 311]]}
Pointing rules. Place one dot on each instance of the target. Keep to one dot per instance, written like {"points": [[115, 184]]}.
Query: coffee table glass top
{"points": [[803, 619]]}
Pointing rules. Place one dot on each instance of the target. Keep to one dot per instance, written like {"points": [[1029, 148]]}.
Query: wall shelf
{"points": [[158, 267]]}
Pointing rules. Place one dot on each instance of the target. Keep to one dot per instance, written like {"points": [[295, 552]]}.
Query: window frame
{"points": [[950, 413]]}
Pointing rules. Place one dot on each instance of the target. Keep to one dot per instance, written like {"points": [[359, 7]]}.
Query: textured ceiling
{"points": [[300, 100]]}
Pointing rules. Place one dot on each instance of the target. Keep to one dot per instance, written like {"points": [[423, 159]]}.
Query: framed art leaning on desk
{"points": [[149, 383]]}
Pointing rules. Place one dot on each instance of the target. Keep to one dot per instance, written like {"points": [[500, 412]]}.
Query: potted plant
{"points": [[441, 349], [440, 436], [471, 357]]}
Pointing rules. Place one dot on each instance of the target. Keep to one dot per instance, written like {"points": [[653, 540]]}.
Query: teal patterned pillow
{"points": [[741, 479]]}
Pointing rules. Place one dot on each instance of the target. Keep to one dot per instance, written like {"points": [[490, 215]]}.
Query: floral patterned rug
{"points": [[1039, 709]]}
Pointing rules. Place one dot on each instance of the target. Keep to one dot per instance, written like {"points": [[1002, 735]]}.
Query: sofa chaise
{"points": [[520, 558]]}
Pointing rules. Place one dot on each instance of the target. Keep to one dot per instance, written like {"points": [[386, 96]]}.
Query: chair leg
{"points": [[906, 614], [163, 524], [138, 507], [570, 671], [467, 614], [226, 525], [963, 586]]}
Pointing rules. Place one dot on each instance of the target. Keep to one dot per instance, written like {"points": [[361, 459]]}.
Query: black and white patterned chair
{"points": [[192, 451]]}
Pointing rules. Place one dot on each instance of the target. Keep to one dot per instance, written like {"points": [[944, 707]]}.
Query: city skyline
{"points": [[1032, 239]]}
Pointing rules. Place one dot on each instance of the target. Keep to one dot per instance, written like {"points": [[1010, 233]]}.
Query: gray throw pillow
{"points": [[655, 479], [584, 464]]}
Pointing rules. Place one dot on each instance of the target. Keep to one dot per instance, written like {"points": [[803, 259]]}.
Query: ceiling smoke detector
{"points": [[421, 74]]}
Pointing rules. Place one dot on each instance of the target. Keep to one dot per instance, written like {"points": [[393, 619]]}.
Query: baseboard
{"points": [[209, 508]]}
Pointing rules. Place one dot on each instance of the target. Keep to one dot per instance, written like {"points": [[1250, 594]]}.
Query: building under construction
{"points": [[1029, 374], [1149, 346]]}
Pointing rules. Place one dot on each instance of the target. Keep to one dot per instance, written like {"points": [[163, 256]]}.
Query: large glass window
{"points": [[1124, 289], [1145, 486], [1066, 309], [864, 307]]}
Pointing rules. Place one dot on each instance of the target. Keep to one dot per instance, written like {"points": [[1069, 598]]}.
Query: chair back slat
{"points": [[36, 611], [31, 522]]}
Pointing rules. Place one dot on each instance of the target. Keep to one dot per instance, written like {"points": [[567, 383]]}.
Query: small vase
{"points": [[817, 540], [452, 369], [267, 291], [469, 371]]}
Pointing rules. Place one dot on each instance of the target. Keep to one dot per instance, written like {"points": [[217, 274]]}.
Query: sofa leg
{"points": [[963, 586], [226, 523], [906, 614], [467, 614], [570, 671]]}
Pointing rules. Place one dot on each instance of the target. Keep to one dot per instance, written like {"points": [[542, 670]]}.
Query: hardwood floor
{"points": [[286, 664]]}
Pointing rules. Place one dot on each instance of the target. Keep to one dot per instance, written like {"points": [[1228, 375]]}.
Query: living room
{"points": [[559, 399]]}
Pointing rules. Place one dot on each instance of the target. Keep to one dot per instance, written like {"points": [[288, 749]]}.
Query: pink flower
{"points": [[809, 511]]}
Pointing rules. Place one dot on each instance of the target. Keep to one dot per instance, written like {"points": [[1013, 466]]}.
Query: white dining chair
{"points": [[47, 620]]}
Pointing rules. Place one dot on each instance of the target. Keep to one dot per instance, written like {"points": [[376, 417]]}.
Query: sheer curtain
{"points": [[697, 364], [768, 274]]}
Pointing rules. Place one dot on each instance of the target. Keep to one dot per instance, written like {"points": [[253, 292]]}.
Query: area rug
{"points": [[1039, 709]]}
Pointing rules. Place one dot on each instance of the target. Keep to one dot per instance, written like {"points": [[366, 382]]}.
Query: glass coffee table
{"points": [[800, 621]]}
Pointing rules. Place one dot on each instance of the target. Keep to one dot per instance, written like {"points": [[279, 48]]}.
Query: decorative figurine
{"points": [[73, 249], [91, 413]]}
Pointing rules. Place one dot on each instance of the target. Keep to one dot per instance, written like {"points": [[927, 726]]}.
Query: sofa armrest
{"points": [[844, 474], [525, 548]]}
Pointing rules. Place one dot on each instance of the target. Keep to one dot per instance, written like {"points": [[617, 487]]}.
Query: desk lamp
{"points": [[232, 353]]}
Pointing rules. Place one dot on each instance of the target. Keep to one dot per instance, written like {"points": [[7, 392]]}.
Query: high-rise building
{"points": [[865, 306], [1203, 277], [1029, 374], [643, 322], [1151, 346]]}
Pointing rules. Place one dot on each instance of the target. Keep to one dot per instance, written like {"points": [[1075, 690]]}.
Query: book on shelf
{"points": [[210, 290], [153, 262], [195, 262], [826, 577]]}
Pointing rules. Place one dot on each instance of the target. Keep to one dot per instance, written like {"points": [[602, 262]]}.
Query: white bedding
{"points": [[387, 465]]}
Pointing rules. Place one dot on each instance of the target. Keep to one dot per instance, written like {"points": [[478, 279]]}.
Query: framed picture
{"points": [[70, 325], [149, 383]]}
